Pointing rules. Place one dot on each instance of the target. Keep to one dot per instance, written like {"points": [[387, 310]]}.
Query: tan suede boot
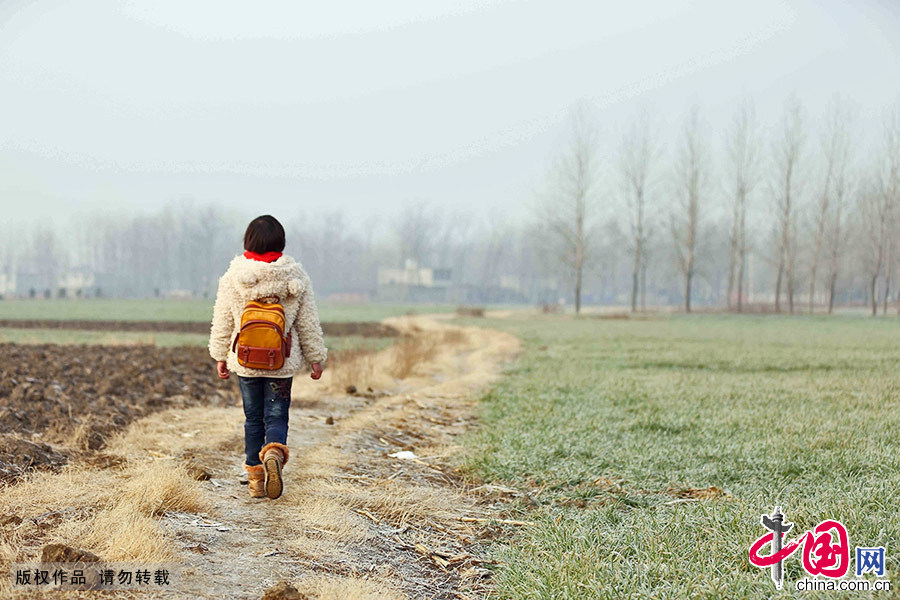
{"points": [[256, 480], [274, 456]]}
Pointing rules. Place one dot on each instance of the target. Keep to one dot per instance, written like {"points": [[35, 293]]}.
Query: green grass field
{"points": [[187, 310], [606, 423]]}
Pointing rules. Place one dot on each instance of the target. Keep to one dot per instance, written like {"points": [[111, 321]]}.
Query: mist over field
{"points": [[520, 371], [683, 154]]}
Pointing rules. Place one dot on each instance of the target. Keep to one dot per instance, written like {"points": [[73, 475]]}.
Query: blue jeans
{"points": [[266, 404]]}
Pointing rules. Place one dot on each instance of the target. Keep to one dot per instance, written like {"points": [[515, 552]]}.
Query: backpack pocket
{"points": [[260, 344], [255, 357]]}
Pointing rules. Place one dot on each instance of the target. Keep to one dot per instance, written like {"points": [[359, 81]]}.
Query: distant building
{"points": [[79, 282], [413, 283], [511, 282], [7, 283], [76, 283], [35, 285], [413, 275]]}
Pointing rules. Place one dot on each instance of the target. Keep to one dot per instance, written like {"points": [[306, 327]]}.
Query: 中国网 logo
{"points": [[825, 553]]}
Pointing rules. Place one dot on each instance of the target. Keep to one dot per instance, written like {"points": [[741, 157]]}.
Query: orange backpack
{"points": [[261, 343]]}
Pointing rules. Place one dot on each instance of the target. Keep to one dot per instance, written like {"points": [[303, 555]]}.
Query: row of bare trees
{"points": [[800, 216], [183, 247], [803, 206]]}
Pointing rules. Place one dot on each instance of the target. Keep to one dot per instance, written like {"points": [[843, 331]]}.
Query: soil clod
{"points": [[283, 591], [63, 553]]}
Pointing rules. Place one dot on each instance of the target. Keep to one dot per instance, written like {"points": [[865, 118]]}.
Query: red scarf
{"points": [[264, 257]]}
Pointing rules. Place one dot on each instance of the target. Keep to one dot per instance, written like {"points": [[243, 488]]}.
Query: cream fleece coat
{"points": [[247, 280]]}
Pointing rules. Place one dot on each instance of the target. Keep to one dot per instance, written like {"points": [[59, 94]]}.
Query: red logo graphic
{"points": [[826, 548]]}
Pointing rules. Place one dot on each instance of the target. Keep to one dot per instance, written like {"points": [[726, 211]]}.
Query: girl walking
{"points": [[263, 274]]}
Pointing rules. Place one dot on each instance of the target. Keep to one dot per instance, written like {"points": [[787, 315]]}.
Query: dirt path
{"points": [[353, 522]]}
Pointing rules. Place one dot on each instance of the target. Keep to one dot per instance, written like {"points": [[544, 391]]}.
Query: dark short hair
{"points": [[264, 234]]}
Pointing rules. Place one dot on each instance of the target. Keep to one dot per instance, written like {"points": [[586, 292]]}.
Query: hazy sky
{"points": [[365, 106]]}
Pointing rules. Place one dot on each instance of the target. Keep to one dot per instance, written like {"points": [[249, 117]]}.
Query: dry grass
{"points": [[354, 367], [75, 438], [321, 515], [161, 486], [74, 490], [396, 502], [329, 587], [109, 512], [166, 434], [79, 438], [455, 336], [318, 462], [8, 552], [122, 532], [410, 352], [365, 369]]}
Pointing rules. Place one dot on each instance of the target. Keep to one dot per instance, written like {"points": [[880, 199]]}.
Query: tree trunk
{"points": [[812, 287], [831, 287], [778, 286], [643, 284], [579, 251], [687, 292], [634, 282], [731, 265], [742, 263], [872, 294], [888, 267], [789, 276], [578, 290], [819, 239]]}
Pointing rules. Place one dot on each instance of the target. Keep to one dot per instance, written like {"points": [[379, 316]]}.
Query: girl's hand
{"points": [[222, 369], [316, 370]]}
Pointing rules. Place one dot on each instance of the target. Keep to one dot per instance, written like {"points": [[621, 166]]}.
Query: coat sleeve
{"points": [[222, 323], [309, 329]]}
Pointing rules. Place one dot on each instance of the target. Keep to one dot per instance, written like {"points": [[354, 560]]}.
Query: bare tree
{"points": [[46, 258], [691, 178], [567, 209], [890, 238], [787, 154], [497, 241], [835, 150], [837, 231], [874, 210], [743, 147], [889, 184], [645, 258], [415, 230], [879, 204], [636, 160]]}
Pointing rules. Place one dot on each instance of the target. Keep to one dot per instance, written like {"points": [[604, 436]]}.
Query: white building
{"points": [[7, 283], [76, 282], [413, 275]]}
